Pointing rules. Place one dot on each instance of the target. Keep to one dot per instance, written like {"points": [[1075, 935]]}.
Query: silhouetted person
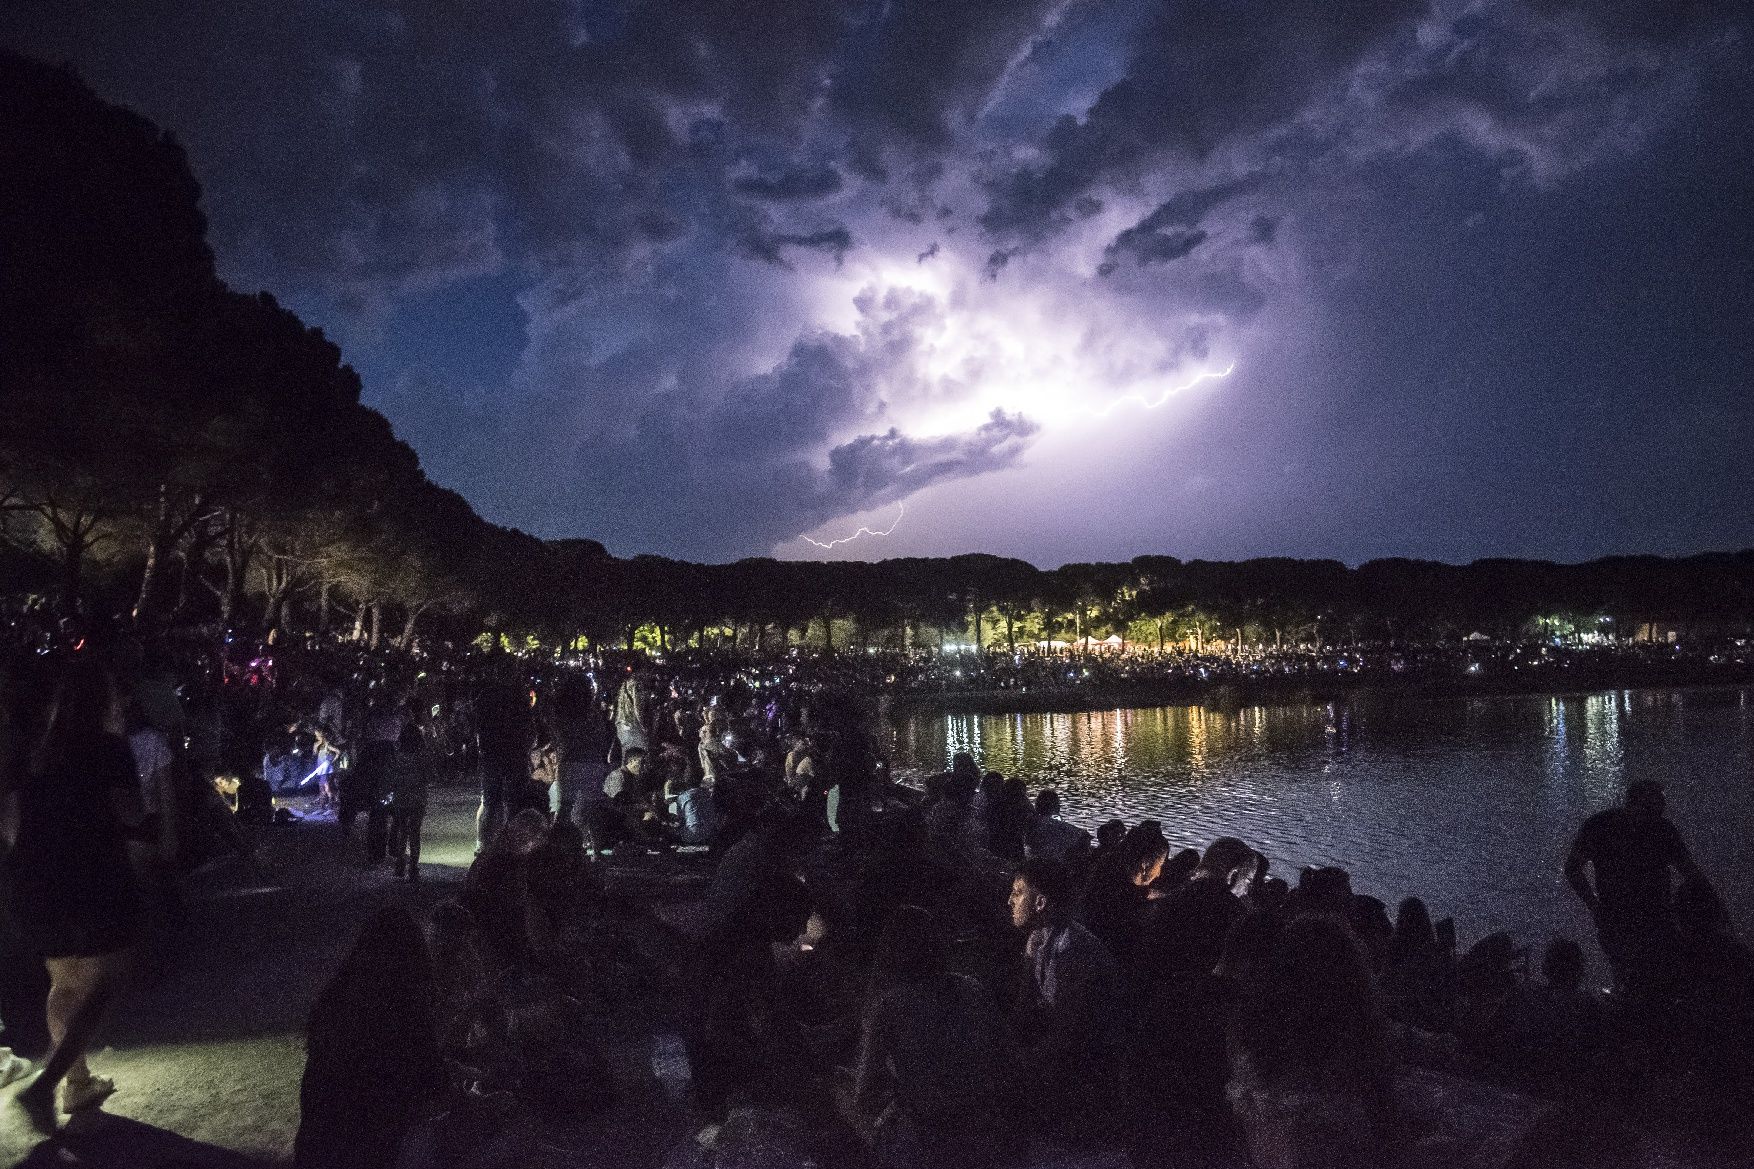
{"points": [[930, 1084], [372, 1057], [504, 731], [71, 887], [1621, 865], [1311, 1066]]}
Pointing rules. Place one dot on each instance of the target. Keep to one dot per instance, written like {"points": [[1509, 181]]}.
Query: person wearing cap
{"points": [[1621, 866]]}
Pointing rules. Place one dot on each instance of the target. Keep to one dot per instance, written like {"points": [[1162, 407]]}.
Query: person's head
{"points": [[1110, 833], [1041, 893], [1369, 919], [1324, 889], [1227, 859], [964, 769], [1645, 800], [1183, 866], [634, 760], [912, 946], [1144, 850], [523, 833], [1413, 933], [992, 785], [1489, 966], [1562, 964], [1047, 802]]}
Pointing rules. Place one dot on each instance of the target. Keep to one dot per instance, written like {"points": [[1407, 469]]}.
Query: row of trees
{"points": [[176, 451], [1156, 601]]}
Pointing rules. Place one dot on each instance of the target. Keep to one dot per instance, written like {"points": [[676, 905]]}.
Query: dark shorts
{"points": [[501, 781], [85, 925]]}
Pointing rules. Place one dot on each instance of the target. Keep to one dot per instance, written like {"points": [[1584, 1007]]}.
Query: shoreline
{"points": [[1296, 692]]}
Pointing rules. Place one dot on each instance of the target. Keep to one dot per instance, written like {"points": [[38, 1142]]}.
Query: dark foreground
{"points": [[207, 1050]]}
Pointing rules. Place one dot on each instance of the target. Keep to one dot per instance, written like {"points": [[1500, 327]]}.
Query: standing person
{"points": [[72, 892], [410, 778], [369, 785], [581, 735], [1630, 851], [503, 731], [633, 715], [333, 734], [154, 852]]}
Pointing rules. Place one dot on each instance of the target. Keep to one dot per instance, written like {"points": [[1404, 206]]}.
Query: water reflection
{"points": [[1469, 803]]}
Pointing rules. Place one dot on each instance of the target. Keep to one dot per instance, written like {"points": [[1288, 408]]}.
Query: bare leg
{"points": [[80, 991], [415, 820]]}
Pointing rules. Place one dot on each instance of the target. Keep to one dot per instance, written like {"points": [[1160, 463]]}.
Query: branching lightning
{"points": [[1205, 375], [900, 510]]}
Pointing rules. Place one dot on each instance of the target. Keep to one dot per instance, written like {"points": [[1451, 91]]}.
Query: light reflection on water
{"points": [[1468, 802]]}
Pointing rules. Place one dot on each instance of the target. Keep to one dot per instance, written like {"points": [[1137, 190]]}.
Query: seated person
{"points": [[930, 1086], [1064, 1031], [693, 814], [1051, 837], [1184, 932]]}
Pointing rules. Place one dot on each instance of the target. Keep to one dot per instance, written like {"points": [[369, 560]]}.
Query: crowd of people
{"points": [[951, 975]]}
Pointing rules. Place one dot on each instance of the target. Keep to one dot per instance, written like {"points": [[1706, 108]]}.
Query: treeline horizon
{"points": [[183, 453]]}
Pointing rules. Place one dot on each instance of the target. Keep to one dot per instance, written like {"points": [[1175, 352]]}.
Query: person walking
{"points": [[72, 893]]}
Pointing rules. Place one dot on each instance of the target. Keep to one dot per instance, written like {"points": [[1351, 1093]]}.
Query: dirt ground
{"points": [[206, 1048]]}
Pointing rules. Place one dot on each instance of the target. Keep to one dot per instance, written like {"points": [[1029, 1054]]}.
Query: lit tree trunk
{"points": [[154, 553], [377, 623], [828, 631], [407, 638], [358, 623], [323, 606]]}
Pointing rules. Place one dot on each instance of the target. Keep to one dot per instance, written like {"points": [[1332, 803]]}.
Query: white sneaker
{"points": [[13, 1068], [78, 1095]]}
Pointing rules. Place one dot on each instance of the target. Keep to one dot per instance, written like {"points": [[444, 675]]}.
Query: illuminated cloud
{"points": [[695, 283]]}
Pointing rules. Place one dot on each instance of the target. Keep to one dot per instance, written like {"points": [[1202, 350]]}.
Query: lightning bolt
{"points": [[1205, 375], [900, 510]]}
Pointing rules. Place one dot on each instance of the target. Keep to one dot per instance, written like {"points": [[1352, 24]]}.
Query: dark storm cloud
{"points": [[770, 247], [891, 465], [1199, 75], [794, 182], [696, 206]]}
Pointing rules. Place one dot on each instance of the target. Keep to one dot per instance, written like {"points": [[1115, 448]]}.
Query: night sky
{"points": [[699, 279]]}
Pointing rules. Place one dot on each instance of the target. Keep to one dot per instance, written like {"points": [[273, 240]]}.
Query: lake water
{"points": [[1469, 803]]}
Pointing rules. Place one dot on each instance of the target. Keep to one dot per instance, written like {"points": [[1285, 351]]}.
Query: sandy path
{"points": [[207, 1046]]}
